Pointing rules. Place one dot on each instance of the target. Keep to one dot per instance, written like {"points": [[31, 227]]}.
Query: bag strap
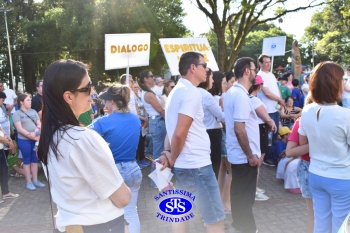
{"points": [[29, 117]]}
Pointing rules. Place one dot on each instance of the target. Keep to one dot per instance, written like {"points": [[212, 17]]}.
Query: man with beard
{"points": [[243, 145]]}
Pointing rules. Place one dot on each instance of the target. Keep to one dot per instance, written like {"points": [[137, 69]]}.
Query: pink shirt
{"points": [[294, 137]]}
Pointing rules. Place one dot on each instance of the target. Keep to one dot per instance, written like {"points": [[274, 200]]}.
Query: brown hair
{"points": [[166, 85], [262, 56], [326, 83], [205, 84], [141, 81], [121, 97], [21, 98]]}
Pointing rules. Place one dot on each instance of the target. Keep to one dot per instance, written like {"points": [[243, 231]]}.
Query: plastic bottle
{"points": [[270, 136]]}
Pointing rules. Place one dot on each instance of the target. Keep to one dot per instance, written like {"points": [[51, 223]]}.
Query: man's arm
{"points": [[244, 143], [179, 137], [272, 96]]}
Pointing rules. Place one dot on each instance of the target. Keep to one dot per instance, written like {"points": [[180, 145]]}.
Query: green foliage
{"points": [[54, 29], [329, 33]]}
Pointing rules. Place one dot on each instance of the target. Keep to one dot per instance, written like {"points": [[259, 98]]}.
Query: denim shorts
{"points": [[201, 183], [303, 178]]}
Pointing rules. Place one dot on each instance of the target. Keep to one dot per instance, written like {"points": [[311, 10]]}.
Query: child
{"points": [[282, 143], [297, 94], [285, 91]]}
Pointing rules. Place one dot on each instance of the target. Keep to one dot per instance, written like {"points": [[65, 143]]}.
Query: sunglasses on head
{"points": [[85, 89]]}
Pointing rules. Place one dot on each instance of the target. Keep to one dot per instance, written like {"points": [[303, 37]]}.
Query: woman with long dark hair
{"points": [[85, 183], [152, 104], [27, 123], [213, 116]]}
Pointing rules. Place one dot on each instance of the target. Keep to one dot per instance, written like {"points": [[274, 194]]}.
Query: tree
{"points": [[55, 29], [329, 32], [240, 17]]}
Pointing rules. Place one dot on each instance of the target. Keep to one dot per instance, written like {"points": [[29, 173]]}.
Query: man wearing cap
{"points": [[158, 88], [243, 145], [190, 144], [271, 97]]}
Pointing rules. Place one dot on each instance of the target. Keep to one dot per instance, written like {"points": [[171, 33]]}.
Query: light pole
{"points": [[8, 42]]}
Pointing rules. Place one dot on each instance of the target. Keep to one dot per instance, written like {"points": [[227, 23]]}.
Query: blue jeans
{"points": [[158, 132], [132, 176], [331, 199], [271, 149], [4, 173], [303, 178], [201, 183], [27, 149]]}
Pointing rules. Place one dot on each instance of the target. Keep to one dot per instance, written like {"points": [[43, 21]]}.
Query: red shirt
{"points": [[294, 137]]}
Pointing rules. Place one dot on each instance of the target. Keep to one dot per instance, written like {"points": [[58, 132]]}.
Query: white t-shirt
{"points": [[270, 82], [186, 99], [132, 103], [10, 98], [83, 178], [329, 139], [256, 102], [213, 114], [304, 86], [158, 90], [238, 108]]}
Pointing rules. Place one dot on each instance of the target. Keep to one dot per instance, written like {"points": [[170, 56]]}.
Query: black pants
{"points": [[140, 155], [215, 136], [243, 196], [4, 173], [116, 225]]}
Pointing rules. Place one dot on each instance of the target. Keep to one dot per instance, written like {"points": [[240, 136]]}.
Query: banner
{"points": [[274, 46], [173, 48], [127, 50]]}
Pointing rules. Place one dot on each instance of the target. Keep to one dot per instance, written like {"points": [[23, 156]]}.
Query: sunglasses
{"points": [[202, 64], [84, 89], [171, 87]]}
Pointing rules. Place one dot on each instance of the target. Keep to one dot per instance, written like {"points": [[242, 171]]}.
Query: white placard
{"points": [[274, 46], [173, 48], [127, 50]]}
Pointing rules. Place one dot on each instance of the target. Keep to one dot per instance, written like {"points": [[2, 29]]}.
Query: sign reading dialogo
{"points": [[127, 50], [173, 48]]}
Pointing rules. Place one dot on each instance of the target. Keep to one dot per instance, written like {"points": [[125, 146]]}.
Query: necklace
{"points": [[328, 104]]}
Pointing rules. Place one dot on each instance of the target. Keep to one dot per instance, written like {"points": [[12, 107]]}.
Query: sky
{"points": [[293, 23]]}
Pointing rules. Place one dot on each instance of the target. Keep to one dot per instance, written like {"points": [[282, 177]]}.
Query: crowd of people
{"points": [[213, 129]]}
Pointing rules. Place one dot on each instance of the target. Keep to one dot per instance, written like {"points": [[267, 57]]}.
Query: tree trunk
{"points": [[28, 73], [222, 49]]}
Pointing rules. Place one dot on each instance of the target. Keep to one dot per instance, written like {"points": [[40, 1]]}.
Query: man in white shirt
{"points": [[132, 103], [243, 145], [190, 144], [11, 98], [270, 95], [158, 88]]}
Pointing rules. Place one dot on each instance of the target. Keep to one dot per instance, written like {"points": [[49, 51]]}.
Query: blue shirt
{"points": [[296, 95], [122, 131]]}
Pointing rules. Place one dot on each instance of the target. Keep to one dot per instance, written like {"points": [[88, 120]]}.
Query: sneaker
{"points": [[38, 184], [261, 197], [30, 186], [269, 162], [144, 163], [259, 190]]}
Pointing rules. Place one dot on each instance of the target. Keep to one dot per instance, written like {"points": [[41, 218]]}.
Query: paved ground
{"points": [[31, 212]]}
